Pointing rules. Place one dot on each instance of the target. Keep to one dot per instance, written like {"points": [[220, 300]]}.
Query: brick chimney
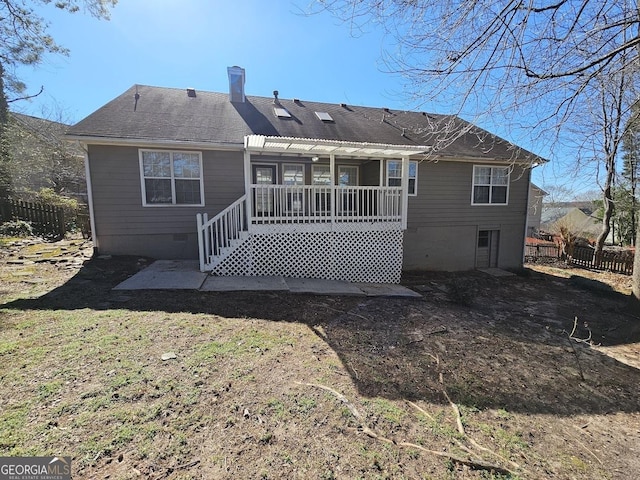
{"points": [[236, 84]]}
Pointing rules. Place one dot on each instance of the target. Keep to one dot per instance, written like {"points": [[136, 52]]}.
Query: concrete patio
{"points": [[185, 275]]}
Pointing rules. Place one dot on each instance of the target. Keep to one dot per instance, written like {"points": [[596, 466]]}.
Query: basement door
{"points": [[487, 248]]}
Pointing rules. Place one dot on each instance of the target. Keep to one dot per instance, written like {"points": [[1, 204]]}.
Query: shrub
{"points": [[16, 228]]}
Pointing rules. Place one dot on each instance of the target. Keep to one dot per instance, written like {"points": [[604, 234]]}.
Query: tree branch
{"points": [[26, 97]]}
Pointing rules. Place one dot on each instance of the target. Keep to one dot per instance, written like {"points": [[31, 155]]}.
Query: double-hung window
{"points": [[321, 179], [171, 178], [490, 185], [394, 175], [293, 179]]}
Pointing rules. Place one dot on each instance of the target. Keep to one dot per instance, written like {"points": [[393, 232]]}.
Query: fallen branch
{"points": [[441, 329], [572, 336], [456, 411], [589, 451], [569, 338], [475, 463], [421, 410]]}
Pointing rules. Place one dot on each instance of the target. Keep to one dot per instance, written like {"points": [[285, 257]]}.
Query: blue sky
{"points": [[190, 43]]}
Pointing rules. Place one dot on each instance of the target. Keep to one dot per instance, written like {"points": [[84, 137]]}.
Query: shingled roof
{"points": [[156, 114]]}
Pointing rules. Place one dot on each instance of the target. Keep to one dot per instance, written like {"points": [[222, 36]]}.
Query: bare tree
{"points": [[512, 54], [24, 39], [541, 65]]}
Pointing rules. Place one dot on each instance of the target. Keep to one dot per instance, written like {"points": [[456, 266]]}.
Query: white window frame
{"points": [[356, 168], [490, 185], [321, 201], [317, 167], [172, 179], [415, 179], [297, 165], [295, 201]]}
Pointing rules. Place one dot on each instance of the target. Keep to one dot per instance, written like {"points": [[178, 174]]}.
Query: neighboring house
{"points": [[534, 211], [300, 188], [579, 217], [42, 158]]}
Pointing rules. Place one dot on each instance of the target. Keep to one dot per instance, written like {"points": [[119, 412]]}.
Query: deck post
{"points": [[332, 174], [405, 191], [247, 186]]}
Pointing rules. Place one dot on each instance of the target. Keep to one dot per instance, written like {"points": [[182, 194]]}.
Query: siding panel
{"points": [[124, 225], [443, 225]]}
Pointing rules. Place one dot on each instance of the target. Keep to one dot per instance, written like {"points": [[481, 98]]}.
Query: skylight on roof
{"points": [[281, 112], [324, 116]]}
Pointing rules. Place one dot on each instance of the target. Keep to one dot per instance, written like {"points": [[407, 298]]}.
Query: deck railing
{"points": [[220, 232], [273, 204]]}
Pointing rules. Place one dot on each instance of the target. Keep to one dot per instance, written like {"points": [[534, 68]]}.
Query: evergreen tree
{"points": [[24, 40]]}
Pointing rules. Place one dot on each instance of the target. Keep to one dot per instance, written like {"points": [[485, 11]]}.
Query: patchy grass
{"points": [[8, 241], [82, 375]]}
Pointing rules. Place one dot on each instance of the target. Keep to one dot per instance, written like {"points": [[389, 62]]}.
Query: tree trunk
{"points": [[608, 213]]}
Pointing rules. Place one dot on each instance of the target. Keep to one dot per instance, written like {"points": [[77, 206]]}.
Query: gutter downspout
{"points": [[526, 218], [92, 217]]}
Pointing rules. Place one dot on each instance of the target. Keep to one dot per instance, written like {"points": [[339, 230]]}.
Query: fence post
{"points": [[61, 221]]}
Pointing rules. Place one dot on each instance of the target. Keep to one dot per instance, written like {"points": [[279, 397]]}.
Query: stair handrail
{"points": [[216, 233]]}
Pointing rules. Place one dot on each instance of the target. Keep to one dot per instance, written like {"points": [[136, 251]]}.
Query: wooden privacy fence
{"points": [[47, 220], [618, 262], [534, 251], [613, 261]]}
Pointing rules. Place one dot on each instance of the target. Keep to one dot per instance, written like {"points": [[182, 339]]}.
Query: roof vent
{"points": [[236, 84], [386, 110], [191, 92]]}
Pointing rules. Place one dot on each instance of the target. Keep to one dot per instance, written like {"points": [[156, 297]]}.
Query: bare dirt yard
{"points": [[529, 376]]}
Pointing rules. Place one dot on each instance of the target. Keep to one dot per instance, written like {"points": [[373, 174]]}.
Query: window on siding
{"points": [[483, 238], [321, 175], [490, 185], [394, 175], [292, 174], [171, 178], [347, 175]]}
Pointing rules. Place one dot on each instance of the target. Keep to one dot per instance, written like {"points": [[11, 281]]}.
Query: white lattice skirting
{"points": [[353, 256]]}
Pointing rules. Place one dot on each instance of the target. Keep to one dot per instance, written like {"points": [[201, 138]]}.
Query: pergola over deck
{"points": [[369, 203]]}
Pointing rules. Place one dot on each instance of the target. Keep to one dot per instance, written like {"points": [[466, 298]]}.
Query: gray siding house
{"points": [[269, 186]]}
